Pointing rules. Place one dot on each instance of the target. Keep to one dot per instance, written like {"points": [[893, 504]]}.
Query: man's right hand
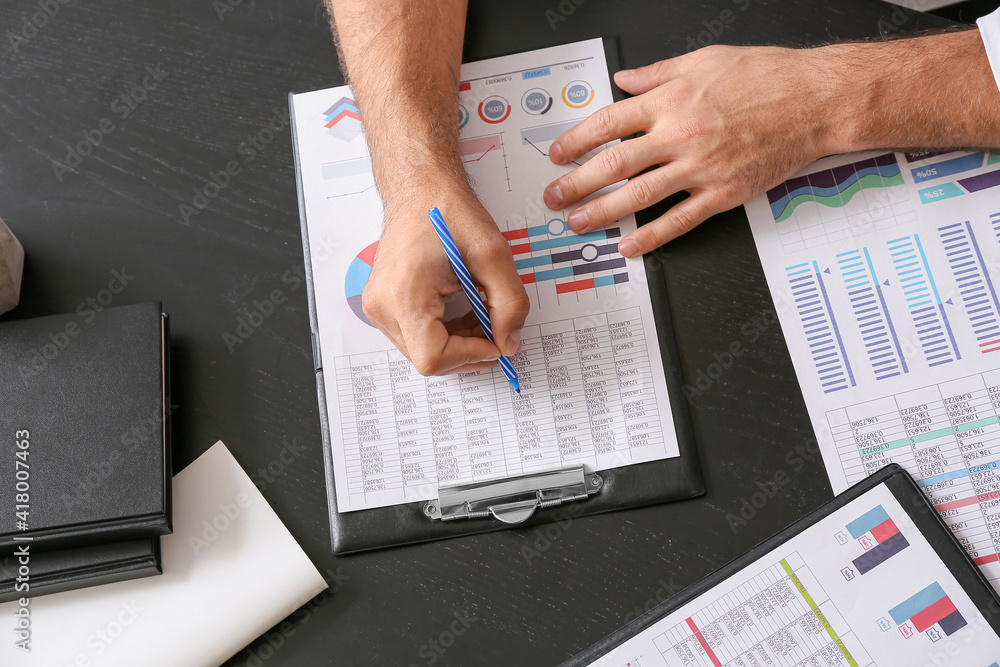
{"points": [[405, 294]]}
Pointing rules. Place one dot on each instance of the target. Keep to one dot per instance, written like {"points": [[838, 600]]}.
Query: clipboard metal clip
{"points": [[514, 499]]}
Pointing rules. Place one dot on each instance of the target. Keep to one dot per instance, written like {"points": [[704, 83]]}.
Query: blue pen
{"points": [[478, 306]]}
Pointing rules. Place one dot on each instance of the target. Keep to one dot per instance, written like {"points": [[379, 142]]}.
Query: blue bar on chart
{"points": [[820, 325], [923, 300], [929, 607], [974, 283], [995, 221], [872, 314], [947, 167]]}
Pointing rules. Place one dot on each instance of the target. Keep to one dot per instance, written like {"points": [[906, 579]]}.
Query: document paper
{"points": [[593, 389], [861, 588], [884, 272]]}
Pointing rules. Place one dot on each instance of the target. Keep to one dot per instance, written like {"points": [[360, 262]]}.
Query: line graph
{"points": [[840, 203], [485, 153], [345, 178]]}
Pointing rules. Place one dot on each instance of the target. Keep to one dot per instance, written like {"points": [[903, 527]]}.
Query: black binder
{"points": [[84, 409], [613, 489], [910, 497]]}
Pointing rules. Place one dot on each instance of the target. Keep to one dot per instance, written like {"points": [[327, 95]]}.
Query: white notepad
{"points": [[231, 571]]}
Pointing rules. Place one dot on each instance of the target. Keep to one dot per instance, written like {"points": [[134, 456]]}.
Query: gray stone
{"points": [[11, 268]]}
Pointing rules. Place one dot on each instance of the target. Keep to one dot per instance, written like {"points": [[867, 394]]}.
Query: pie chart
{"points": [[357, 278]]}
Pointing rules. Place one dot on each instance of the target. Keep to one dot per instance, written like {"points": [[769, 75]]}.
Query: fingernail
{"points": [[493, 356], [578, 220], [553, 196], [555, 152], [625, 73], [513, 343], [628, 247]]}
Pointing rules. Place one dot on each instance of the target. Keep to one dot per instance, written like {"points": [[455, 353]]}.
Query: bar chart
{"points": [[878, 535], [551, 252], [975, 285], [922, 611], [937, 340], [871, 313], [820, 326]]}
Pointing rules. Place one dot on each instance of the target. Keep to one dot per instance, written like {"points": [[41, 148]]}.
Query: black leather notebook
{"points": [[70, 569], [84, 428], [523, 122]]}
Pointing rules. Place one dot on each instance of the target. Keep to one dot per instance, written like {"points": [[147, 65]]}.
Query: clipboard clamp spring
{"points": [[514, 499]]}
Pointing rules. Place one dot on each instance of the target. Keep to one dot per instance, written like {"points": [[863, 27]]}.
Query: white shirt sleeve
{"points": [[989, 30]]}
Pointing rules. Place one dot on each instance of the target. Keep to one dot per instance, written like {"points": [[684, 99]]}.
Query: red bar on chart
{"points": [[575, 286]]}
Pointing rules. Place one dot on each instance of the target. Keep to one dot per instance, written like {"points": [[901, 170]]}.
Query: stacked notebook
{"points": [[84, 449]]}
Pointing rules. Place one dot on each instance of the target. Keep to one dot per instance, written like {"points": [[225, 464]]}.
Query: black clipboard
{"points": [[638, 485], [910, 497]]}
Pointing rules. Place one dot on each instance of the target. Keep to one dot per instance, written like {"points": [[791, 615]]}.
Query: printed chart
{"points": [[861, 587], [894, 327], [782, 616], [840, 202], [878, 535], [952, 174], [593, 391]]}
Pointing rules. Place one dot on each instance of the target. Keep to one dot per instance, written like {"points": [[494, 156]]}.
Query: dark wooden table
{"points": [[115, 114]]}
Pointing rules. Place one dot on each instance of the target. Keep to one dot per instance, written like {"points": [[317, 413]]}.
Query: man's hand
{"points": [[402, 59], [405, 293], [723, 123], [727, 123]]}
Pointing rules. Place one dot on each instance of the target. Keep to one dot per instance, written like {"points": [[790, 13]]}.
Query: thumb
{"points": [[506, 300], [644, 79]]}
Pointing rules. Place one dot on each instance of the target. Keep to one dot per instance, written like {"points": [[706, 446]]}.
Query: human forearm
{"points": [[402, 59], [936, 91]]}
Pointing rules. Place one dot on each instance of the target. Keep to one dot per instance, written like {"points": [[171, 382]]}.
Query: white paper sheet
{"points": [[885, 279], [231, 571], [861, 588], [593, 388]]}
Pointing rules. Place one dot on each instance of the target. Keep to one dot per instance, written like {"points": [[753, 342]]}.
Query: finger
{"points": [[506, 300], [611, 122], [640, 192], [613, 164], [679, 220], [644, 79], [434, 352]]}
